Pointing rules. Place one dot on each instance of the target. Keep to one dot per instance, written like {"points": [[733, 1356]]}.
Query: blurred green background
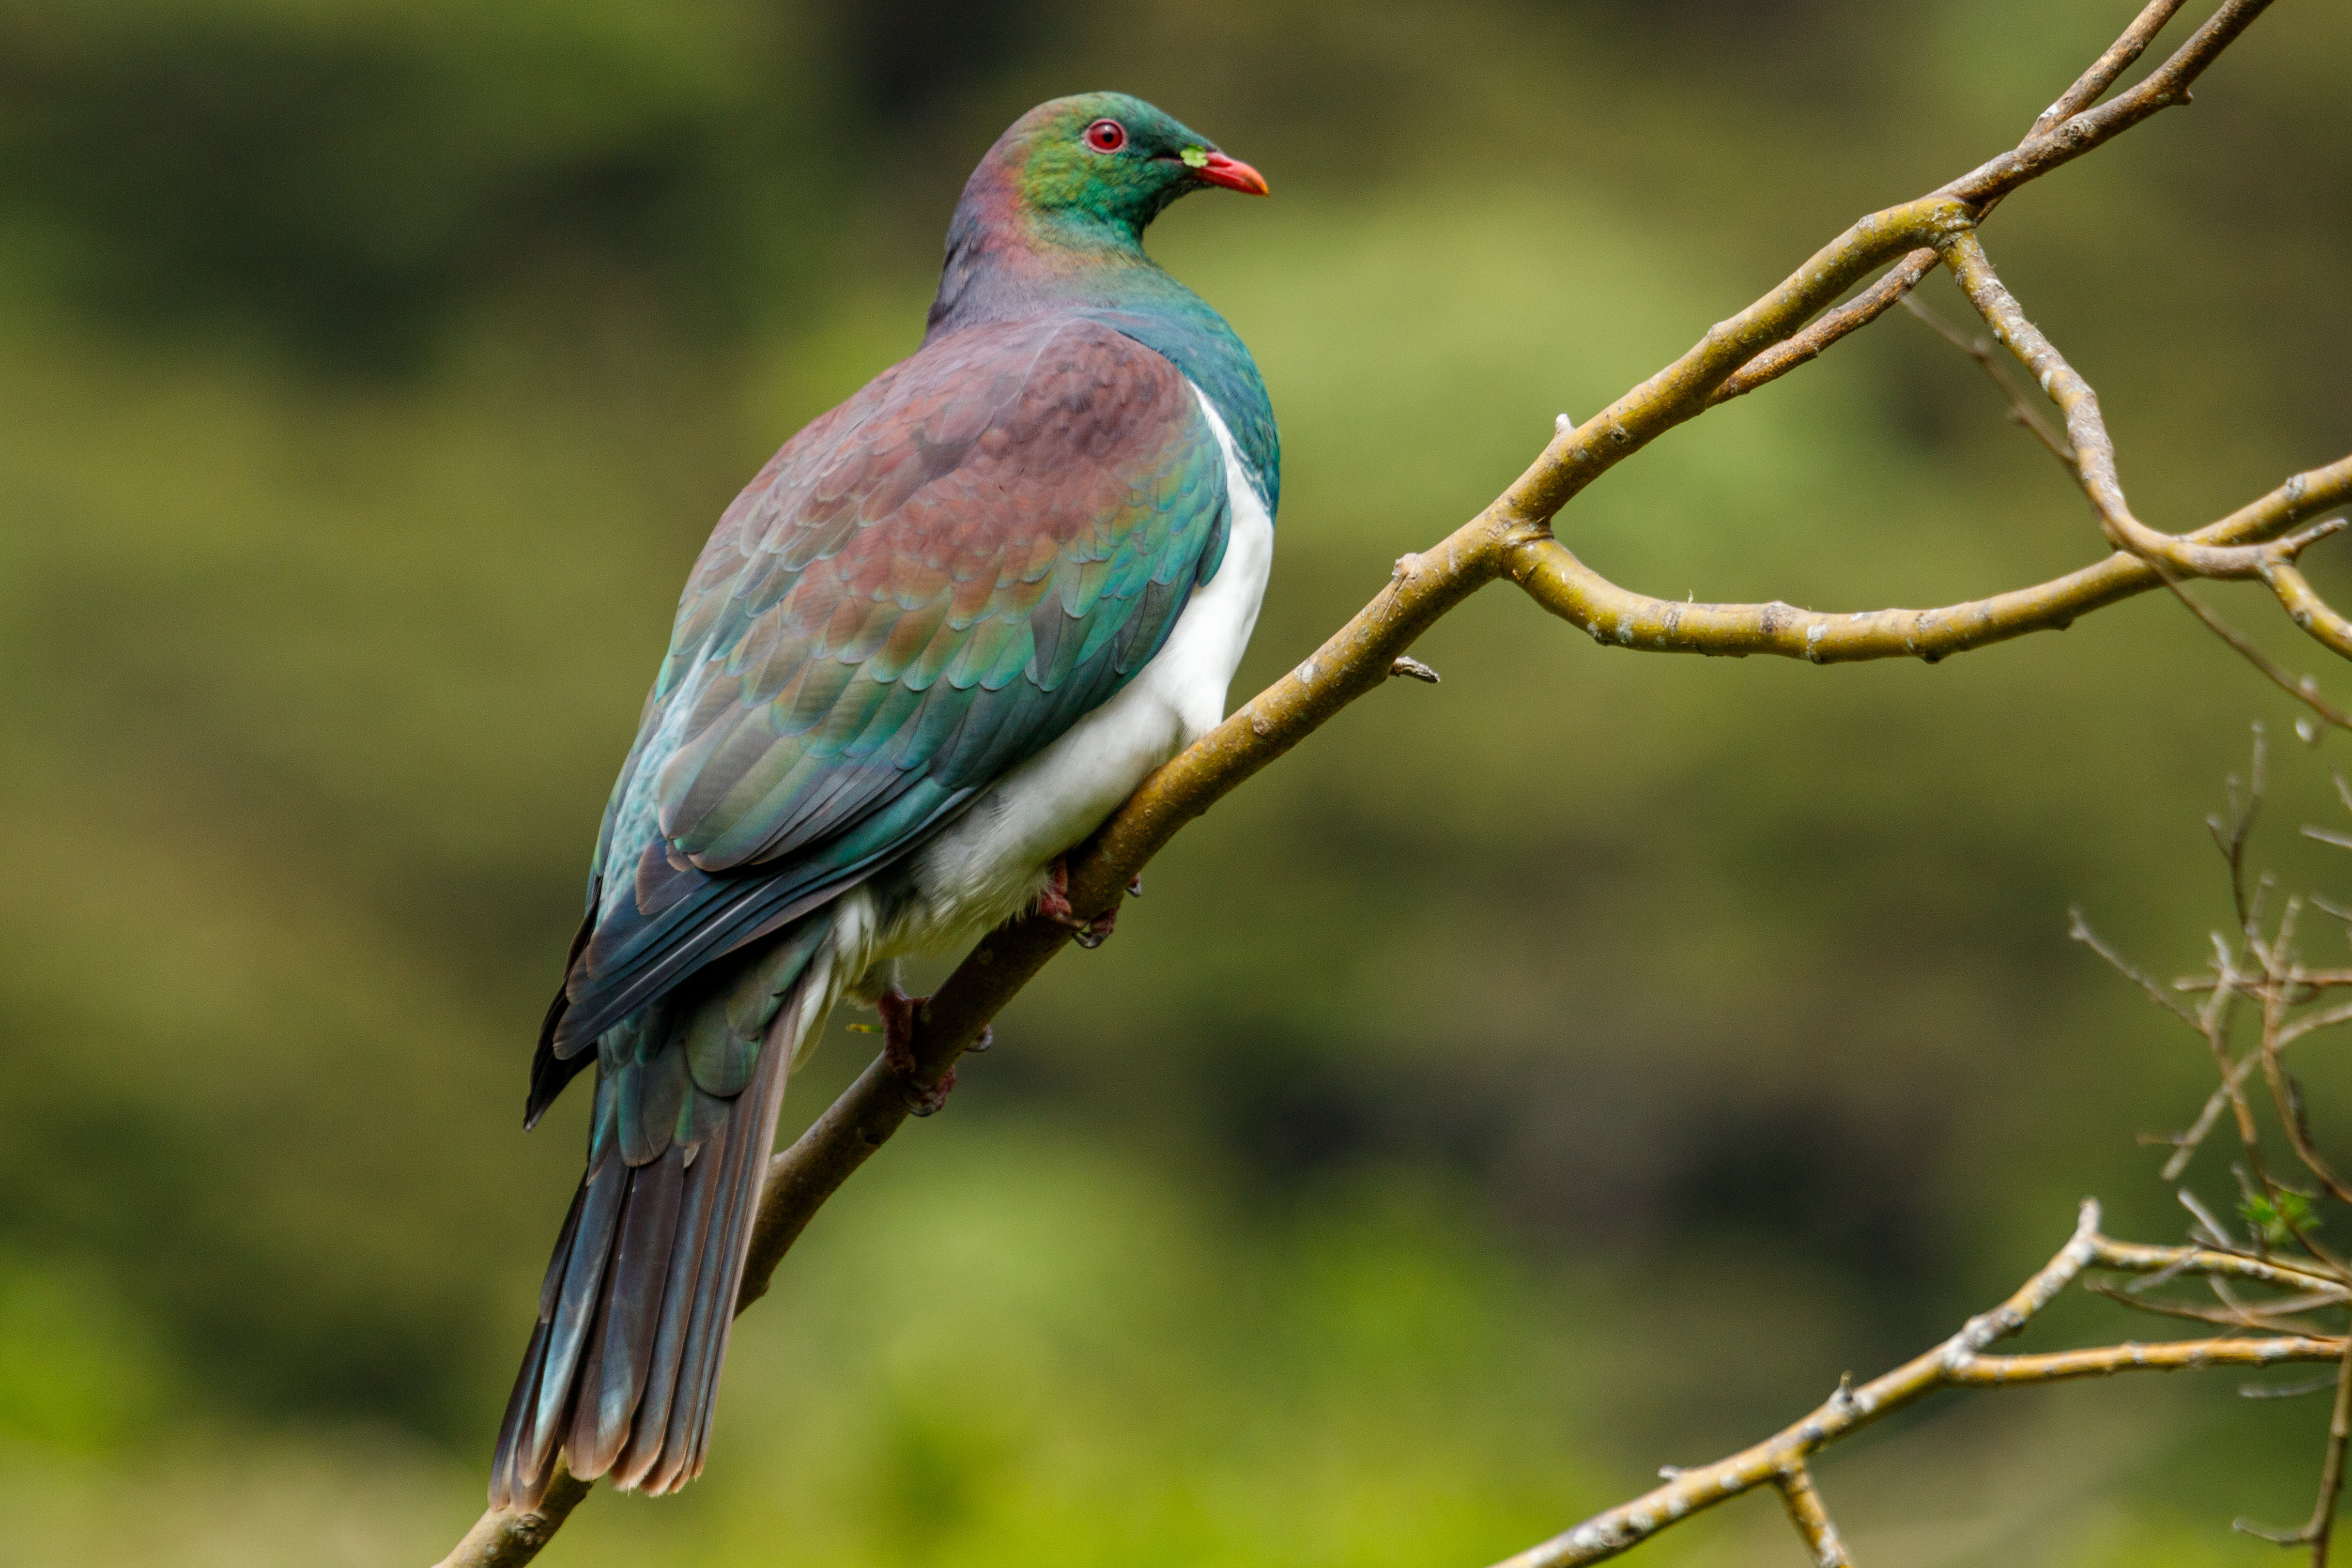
{"points": [[1565, 1070]]}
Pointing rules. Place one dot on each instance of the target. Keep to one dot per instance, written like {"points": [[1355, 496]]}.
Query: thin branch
{"points": [[1958, 1363], [2274, 563], [2231, 1090], [2311, 1023], [1856, 314], [1811, 1518], [500, 1539], [2298, 1130], [2286, 1389], [2079, 929], [2321, 1526], [2311, 980], [2130, 1257], [2020, 411], [2263, 967], [2207, 1222], [2308, 610], [1619, 617], [1898, 281], [2243, 810], [2304, 689], [2092, 84], [2231, 1315], [2169, 1355], [2086, 426], [2165, 86]]}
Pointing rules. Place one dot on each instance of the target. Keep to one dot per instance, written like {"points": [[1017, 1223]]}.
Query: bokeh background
{"points": [[1561, 1071]]}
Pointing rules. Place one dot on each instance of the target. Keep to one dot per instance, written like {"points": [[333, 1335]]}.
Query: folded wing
{"points": [[919, 592]]}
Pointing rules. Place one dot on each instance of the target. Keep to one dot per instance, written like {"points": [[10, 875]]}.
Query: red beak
{"points": [[1234, 175]]}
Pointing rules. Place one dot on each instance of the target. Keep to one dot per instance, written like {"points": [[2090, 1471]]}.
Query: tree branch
{"points": [[2259, 964], [1959, 1362], [1563, 584], [2092, 84], [2165, 86], [1900, 279], [1811, 1518]]}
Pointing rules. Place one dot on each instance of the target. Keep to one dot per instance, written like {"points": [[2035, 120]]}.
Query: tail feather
{"points": [[506, 1477], [715, 1315], [711, 1314], [646, 1444], [576, 1305], [622, 1366], [615, 1377]]}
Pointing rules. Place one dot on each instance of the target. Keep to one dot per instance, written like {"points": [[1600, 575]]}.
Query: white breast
{"points": [[994, 861]]}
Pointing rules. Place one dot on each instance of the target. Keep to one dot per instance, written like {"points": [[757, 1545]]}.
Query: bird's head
{"points": [[1106, 160]]}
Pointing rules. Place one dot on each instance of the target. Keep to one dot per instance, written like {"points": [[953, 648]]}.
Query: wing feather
{"points": [[920, 591]]}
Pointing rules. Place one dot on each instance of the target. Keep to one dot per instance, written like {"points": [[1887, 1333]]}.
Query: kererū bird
{"points": [[939, 638]]}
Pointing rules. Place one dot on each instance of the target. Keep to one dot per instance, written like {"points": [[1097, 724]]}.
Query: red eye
{"points": [[1106, 136]]}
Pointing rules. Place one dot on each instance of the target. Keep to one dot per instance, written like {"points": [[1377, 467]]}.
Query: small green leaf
{"points": [[2279, 1221], [1196, 157]]}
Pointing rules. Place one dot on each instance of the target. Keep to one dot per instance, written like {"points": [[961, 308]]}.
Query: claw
{"points": [[1054, 903], [898, 1010]]}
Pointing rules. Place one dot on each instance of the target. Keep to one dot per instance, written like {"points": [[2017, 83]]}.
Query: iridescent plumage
{"points": [[890, 630]]}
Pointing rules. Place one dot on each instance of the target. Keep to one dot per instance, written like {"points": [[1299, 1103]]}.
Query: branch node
{"points": [[1412, 669]]}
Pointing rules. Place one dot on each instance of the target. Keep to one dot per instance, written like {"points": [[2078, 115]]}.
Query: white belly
{"points": [[994, 861]]}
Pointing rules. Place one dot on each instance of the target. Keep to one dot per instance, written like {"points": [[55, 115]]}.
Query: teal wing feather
{"points": [[922, 590]]}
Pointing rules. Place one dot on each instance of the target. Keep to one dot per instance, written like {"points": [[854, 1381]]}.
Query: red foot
{"points": [[897, 1010], [1054, 903]]}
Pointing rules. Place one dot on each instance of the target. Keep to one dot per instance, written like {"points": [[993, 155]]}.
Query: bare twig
{"points": [[2321, 1526], [2304, 689], [2092, 84], [2069, 139], [2213, 1232], [2243, 810], [2285, 1390], [2267, 1317], [2170, 1355], [1618, 617], [1811, 1518], [2273, 562], [2131, 1258], [1958, 1363], [2079, 929], [1898, 280], [1856, 314], [2259, 964], [2311, 1023], [2020, 411]]}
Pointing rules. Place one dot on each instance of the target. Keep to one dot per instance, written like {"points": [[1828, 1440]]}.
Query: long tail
{"points": [[622, 1366]]}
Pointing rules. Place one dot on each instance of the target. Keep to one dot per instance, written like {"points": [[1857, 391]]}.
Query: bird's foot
{"points": [[898, 1010], [1054, 903]]}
